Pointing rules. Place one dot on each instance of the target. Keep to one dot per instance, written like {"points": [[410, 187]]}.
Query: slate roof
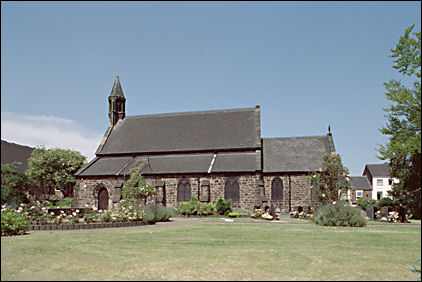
{"points": [[11, 152], [295, 154], [379, 170], [360, 183], [176, 163], [181, 132]]}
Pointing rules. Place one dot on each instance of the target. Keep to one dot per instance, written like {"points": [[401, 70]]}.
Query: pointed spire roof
{"points": [[117, 89]]}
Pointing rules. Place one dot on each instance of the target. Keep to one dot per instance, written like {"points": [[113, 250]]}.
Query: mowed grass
{"points": [[214, 251]]}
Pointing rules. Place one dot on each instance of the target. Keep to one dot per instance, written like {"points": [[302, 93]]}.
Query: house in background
{"points": [[208, 154], [11, 152], [361, 188], [380, 179]]}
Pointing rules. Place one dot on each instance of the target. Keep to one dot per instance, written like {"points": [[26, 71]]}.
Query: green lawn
{"points": [[214, 251]]}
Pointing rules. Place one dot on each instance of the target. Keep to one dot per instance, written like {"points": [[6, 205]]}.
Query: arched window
{"points": [[231, 190], [183, 191], [277, 189]]}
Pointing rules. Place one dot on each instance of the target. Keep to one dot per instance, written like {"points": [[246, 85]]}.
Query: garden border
{"points": [[82, 226]]}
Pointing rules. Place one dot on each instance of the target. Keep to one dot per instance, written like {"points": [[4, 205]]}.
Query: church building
{"points": [[208, 154]]}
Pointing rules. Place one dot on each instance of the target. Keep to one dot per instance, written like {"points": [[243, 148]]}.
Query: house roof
{"points": [[360, 183], [176, 163], [11, 152], [295, 153], [188, 131], [379, 170]]}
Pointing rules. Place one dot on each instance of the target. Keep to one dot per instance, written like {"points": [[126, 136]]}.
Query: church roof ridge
{"points": [[294, 137], [194, 112]]}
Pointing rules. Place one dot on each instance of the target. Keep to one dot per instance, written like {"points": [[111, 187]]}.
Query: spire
{"points": [[117, 90], [116, 101]]}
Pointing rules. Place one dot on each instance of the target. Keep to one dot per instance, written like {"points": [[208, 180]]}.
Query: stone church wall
{"points": [[86, 189]]}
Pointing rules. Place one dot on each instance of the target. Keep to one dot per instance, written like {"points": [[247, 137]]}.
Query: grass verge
{"points": [[216, 251]]}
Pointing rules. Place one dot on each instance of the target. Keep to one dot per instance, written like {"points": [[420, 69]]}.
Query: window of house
{"points": [[277, 189], [231, 190], [379, 195], [390, 181], [183, 191], [379, 182], [359, 194]]}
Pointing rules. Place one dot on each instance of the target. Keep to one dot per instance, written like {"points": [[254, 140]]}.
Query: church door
{"points": [[103, 199]]}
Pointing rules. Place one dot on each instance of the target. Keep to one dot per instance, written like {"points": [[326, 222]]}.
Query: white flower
{"points": [[94, 208], [323, 195], [74, 213], [32, 207], [334, 202], [52, 213], [61, 211], [77, 210]]}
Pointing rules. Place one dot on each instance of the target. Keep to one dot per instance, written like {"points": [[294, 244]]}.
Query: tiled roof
{"points": [[295, 153], [360, 183], [11, 152], [168, 164], [181, 132], [379, 170]]}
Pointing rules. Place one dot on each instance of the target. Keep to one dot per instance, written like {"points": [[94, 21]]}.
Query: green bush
{"points": [[65, 202], [13, 222], [233, 214], [160, 213], [363, 203], [195, 207], [223, 207], [106, 217], [148, 215], [339, 215]]}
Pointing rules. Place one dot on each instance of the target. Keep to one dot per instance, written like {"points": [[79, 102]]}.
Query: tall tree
{"points": [[55, 168], [403, 127]]}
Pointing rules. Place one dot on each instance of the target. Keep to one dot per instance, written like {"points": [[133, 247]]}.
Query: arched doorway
{"points": [[103, 199]]}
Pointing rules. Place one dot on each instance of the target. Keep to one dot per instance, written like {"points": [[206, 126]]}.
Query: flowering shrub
{"points": [[257, 213], [13, 222], [127, 211], [90, 215], [267, 216], [195, 207], [393, 216]]}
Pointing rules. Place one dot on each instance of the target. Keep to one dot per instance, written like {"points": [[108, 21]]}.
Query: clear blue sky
{"points": [[308, 64]]}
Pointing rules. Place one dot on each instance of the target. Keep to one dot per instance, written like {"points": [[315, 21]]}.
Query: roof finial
{"points": [[329, 129]]}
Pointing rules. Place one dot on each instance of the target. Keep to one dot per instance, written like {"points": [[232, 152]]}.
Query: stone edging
{"points": [[78, 226]]}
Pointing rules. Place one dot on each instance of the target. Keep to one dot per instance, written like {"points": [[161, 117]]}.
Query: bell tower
{"points": [[116, 103]]}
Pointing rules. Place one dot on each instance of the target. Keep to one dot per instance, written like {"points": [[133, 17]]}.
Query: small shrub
{"points": [[163, 214], [233, 214], [65, 202], [339, 215], [148, 216], [106, 217], [223, 207], [362, 203], [160, 213], [13, 222]]}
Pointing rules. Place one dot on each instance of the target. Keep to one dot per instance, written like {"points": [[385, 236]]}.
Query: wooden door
{"points": [[103, 199]]}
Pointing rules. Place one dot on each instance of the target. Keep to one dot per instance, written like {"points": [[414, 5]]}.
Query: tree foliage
{"points": [[14, 185], [54, 167], [137, 188], [403, 127], [331, 180]]}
